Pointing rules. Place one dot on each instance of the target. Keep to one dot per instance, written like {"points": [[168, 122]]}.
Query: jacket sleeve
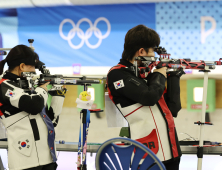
{"points": [[55, 108], [136, 88], [172, 97], [17, 97]]}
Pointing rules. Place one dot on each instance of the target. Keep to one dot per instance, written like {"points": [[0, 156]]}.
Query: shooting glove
{"points": [[58, 92], [172, 96]]}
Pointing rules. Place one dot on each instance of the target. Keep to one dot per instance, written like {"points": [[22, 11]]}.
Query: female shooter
{"points": [[26, 116]]}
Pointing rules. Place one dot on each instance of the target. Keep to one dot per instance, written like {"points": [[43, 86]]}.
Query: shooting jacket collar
{"points": [[125, 63], [10, 76]]}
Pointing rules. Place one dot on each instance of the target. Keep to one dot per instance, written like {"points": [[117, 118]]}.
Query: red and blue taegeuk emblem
{"points": [[23, 144]]}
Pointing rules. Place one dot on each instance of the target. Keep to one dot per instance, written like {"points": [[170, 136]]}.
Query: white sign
{"points": [[204, 33]]}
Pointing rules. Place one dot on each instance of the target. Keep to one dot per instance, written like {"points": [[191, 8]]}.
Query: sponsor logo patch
{"points": [[118, 84], [10, 93]]}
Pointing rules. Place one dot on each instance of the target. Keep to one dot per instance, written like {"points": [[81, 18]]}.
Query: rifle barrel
{"points": [[60, 81]]}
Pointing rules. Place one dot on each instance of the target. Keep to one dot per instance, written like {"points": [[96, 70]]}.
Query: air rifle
{"points": [[164, 61], [57, 80]]}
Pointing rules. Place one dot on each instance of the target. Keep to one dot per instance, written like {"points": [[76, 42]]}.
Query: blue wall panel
{"points": [[42, 24], [179, 25], [187, 30]]}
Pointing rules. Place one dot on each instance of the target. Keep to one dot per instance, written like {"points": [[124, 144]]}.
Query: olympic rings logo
{"points": [[85, 36]]}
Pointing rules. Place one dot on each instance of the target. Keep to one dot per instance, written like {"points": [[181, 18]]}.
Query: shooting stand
{"points": [[202, 122], [84, 122]]}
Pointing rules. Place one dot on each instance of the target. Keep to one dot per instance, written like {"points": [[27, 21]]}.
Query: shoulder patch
{"points": [[137, 83], [10, 93], [118, 84]]}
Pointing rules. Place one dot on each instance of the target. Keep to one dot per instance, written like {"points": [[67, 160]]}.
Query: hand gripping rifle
{"points": [[164, 61]]}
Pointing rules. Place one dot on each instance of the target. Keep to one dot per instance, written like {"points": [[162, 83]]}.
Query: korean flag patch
{"points": [[23, 145], [118, 84], [10, 93]]}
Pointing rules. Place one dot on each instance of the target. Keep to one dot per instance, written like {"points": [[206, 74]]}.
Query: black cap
{"points": [[22, 54]]}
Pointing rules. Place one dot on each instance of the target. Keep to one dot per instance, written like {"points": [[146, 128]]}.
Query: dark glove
{"points": [[177, 73], [58, 92]]}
